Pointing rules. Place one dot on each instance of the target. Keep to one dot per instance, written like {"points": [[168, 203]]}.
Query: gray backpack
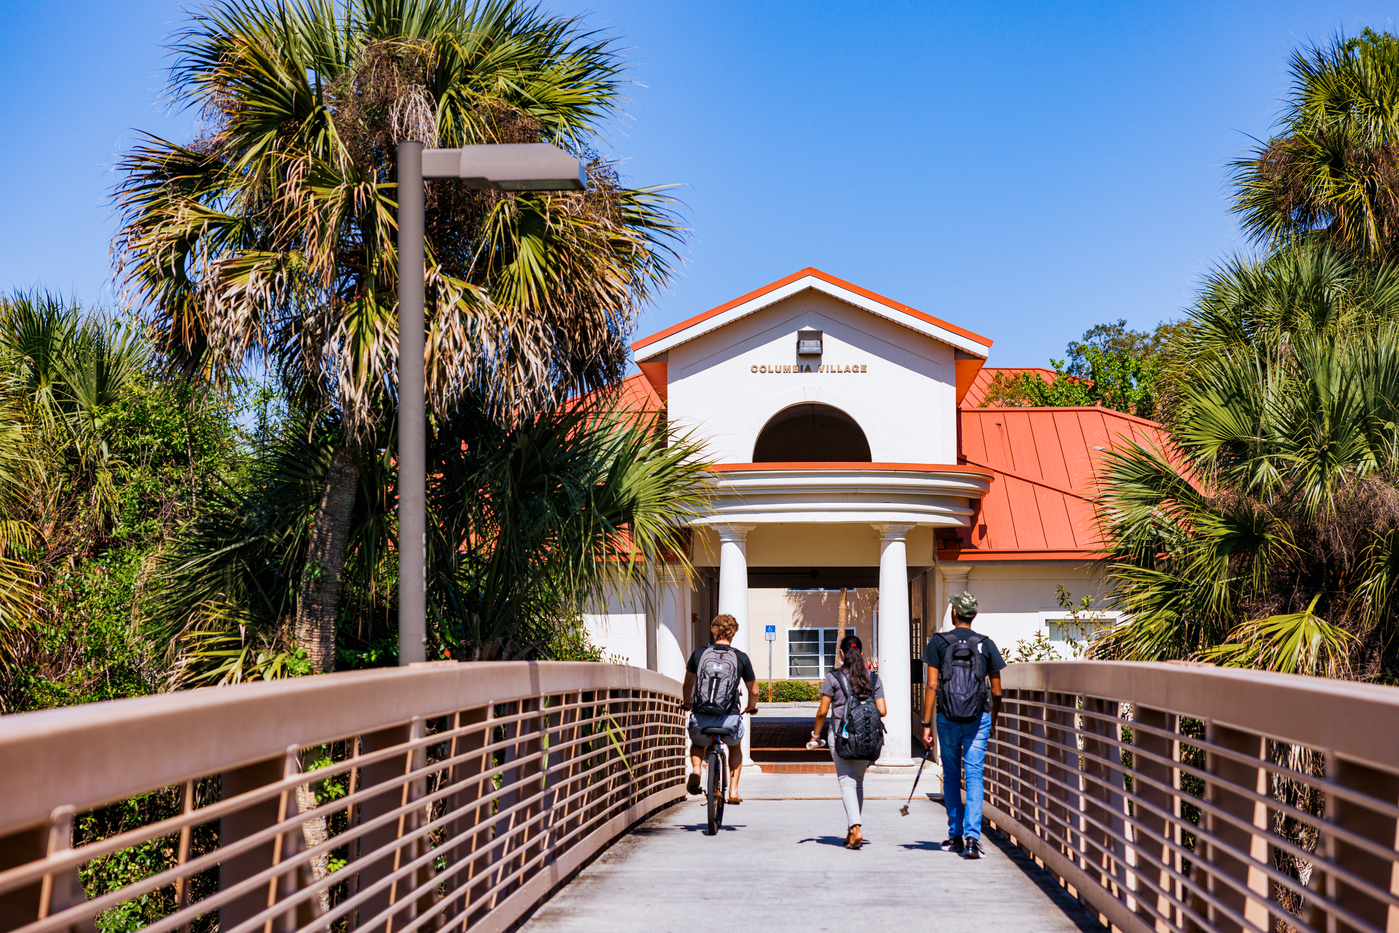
{"points": [[716, 681]]}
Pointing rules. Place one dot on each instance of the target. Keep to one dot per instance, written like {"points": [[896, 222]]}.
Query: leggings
{"points": [[850, 775]]}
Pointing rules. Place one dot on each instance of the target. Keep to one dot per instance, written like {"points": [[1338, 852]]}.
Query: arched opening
{"points": [[811, 433]]}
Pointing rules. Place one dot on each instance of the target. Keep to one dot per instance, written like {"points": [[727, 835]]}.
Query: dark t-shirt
{"points": [[745, 668], [937, 645]]}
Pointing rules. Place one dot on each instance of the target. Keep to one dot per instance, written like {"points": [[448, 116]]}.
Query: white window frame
{"points": [[827, 636], [1055, 624]]}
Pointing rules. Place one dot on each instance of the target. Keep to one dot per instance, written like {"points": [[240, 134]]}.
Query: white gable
{"points": [[813, 279], [728, 375]]}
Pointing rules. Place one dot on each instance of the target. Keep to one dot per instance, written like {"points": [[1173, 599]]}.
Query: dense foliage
{"points": [[271, 237], [1268, 535], [1330, 174], [178, 525], [531, 521], [112, 459], [1112, 366]]}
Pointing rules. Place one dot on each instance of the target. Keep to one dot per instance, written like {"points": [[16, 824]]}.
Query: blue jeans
{"points": [[963, 748]]}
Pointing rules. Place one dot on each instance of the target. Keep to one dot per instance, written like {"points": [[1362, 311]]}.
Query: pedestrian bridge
{"points": [[465, 796]]}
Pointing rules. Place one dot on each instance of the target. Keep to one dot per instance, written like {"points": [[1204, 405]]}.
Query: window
{"points": [[1069, 630], [811, 652]]}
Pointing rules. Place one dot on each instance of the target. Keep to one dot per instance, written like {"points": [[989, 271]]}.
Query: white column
{"points": [[954, 581], [733, 596], [894, 648], [673, 615]]}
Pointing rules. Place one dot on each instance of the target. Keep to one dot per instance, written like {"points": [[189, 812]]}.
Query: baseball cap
{"points": [[964, 605]]}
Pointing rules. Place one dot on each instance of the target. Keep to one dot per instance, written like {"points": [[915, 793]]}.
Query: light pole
{"points": [[517, 167]]}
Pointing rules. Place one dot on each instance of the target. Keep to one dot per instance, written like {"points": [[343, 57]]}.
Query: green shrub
{"points": [[790, 691]]}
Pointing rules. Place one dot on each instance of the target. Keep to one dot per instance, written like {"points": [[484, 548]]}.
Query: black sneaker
{"points": [[952, 844], [693, 785], [972, 849]]}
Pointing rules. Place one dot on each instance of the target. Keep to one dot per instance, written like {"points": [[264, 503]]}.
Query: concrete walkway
{"points": [[779, 864]]}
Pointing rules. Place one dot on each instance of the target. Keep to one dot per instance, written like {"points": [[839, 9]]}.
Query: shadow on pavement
{"points": [[1083, 917], [826, 840], [924, 846]]}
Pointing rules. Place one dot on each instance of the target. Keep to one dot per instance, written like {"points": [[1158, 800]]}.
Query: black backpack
{"points": [[861, 733], [962, 690], [716, 681]]}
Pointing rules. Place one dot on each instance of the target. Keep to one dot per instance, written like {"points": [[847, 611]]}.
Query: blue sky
{"points": [[1025, 170]]}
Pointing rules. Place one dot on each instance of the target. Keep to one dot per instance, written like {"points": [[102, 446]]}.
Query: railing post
{"points": [[63, 890], [1102, 795], [531, 774], [1150, 756], [1061, 773], [568, 777], [375, 856], [1228, 773], [1369, 824], [462, 838], [241, 824], [1035, 767], [21, 906]]}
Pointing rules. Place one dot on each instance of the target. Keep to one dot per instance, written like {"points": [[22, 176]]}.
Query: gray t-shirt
{"points": [[830, 687]]}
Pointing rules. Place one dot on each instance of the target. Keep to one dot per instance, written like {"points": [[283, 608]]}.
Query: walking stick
{"points": [[903, 811]]}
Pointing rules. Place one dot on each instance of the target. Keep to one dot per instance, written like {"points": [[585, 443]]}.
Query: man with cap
{"points": [[962, 662]]}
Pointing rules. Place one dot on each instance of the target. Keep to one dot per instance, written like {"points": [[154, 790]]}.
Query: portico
{"points": [[849, 515], [834, 420]]}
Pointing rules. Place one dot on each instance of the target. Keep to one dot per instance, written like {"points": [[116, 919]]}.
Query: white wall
{"points": [[660, 639], [1015, 599], [620, 629], [904, 401]]}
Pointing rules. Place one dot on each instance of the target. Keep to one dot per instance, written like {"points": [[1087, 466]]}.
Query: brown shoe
{"points": [[854, 839], [735, 800]]}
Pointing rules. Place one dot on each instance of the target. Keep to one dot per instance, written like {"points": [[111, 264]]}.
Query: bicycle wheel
{"points": [[714, 764], [723, 762]]}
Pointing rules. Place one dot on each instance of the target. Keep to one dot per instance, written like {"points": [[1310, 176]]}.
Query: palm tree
{"points": [[1269, 534], [533, 519], [1332, 169], [271, 237]]}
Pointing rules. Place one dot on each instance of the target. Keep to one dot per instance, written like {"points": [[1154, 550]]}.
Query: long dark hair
{"points": [[853, 664]]}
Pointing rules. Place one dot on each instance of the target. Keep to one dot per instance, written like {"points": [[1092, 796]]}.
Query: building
{"points": [[853, 464]]}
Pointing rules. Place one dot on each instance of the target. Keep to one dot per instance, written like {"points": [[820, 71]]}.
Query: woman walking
{"points": [[852, 678]]}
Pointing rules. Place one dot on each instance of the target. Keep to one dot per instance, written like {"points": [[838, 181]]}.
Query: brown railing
{"points": [[1188, 797], [443, 796]]}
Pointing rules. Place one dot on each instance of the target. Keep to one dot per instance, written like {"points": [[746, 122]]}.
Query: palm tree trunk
{"points": [[325, 560]]}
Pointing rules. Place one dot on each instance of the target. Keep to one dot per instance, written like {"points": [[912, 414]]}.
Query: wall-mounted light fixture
{"points": [[808, 342]]}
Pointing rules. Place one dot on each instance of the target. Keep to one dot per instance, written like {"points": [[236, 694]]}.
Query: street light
{"points": [[513, 167]]}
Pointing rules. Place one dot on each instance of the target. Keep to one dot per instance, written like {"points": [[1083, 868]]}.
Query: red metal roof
{"points": [[633, 394], [1045, 461], [636, 392], [977, 393]]}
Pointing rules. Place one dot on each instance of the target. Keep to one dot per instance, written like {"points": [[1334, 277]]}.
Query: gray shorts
{"points": [[733, 722]]}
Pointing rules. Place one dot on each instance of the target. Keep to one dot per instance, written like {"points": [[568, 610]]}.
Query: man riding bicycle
{"points": [[712, 677]]}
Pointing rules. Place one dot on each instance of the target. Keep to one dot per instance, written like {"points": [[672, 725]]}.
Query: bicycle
{"points": [[716, 762]]}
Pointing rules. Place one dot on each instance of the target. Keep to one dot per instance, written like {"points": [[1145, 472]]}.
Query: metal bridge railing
{"points": [[438, 797], [1188, 797]]}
